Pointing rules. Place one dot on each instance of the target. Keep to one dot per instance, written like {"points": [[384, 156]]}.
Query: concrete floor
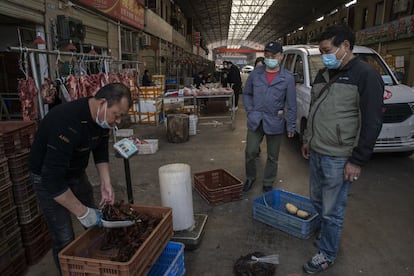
{"points": [[378, 237]]}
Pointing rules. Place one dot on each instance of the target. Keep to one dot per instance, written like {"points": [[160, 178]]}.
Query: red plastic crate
{"points": [[33, 229], [8, 223], [28, 210], [6, 198], [17, 266], [1, 145], [22, 189], [10, 248], [17, 135], [218, 186], [4, 173], [84, 257], [19, 164], [37, 248]]}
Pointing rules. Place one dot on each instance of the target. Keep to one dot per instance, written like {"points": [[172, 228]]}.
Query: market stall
{"points": [[214, 105]]}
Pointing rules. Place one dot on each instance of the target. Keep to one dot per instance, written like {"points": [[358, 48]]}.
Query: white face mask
{"points": [[104, 123]]}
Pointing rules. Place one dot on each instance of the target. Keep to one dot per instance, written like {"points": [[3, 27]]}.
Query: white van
{"points": [[397, 134]]}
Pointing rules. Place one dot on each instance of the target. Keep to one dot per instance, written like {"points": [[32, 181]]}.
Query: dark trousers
{"points": [[237, 91], [254, 138], [58, 218]]}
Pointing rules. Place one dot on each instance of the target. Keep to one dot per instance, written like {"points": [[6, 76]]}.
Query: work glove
{"points": [[93, 217]]}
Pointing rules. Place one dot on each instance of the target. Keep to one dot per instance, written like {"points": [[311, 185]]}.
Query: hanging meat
{"points": [[124, 79], [113, 77], [96, 81], [27, 93], [103, 79], [89, 85], [49, 91], [84, 86], [73, 87]]}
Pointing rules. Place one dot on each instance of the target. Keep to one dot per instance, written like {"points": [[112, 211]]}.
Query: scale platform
{"points": [[192, 238]]}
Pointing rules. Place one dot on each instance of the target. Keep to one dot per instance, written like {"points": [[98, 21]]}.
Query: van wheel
{"points": [[303, 123]]}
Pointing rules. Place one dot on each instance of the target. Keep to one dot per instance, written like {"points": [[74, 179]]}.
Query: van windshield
{"points": [[315, 63], [377, 63]]}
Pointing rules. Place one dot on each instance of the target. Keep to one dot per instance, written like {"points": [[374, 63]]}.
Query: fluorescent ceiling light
{"points": [[320, 19], [245, 14], [350, 3], [333, 12], [300, 29]]}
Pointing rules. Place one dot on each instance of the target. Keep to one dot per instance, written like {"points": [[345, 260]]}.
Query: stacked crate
{"points": [[12, 254], [159, 80], [150, 104], [36, 238], [33, 233]]}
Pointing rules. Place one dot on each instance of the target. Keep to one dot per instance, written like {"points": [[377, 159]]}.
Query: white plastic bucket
{"points": [[176, 193]]}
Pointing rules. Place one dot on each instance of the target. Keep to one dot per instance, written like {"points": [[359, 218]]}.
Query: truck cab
{"points": [[397, 133]]}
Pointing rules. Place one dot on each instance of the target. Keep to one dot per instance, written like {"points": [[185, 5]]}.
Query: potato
{"points": [[292, 209], [302, 214]]}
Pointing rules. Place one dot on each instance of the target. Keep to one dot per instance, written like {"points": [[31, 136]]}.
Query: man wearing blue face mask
{"points": [[344, 122], [60, 154], [269, 91]]}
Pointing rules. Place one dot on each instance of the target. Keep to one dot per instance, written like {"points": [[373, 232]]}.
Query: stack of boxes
{"points": [[25, 238], [159, 80], [149, 107]]}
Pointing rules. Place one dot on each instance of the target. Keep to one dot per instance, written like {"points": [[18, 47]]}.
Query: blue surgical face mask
{"points": [[104, 123], [330, 60], [271, 63]]}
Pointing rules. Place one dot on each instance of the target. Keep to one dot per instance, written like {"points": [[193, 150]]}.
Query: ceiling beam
{"points": [[240, 50]]}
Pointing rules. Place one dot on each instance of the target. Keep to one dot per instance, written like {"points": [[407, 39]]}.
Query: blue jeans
{"points": [[58, 218], [328, 193]]}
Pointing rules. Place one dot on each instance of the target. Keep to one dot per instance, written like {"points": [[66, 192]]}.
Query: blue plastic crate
{"points": [[171, 81], [270, 209], [171, 261]]}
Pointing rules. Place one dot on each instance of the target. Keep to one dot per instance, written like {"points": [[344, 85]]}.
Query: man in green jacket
{"points": [[344, 122]]}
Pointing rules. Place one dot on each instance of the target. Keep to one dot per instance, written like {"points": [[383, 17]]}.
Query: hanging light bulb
{"points": [[92, 51], [39, 40]]}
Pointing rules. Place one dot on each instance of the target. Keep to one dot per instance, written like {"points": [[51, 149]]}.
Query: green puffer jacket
{"points": [[346, 119]]}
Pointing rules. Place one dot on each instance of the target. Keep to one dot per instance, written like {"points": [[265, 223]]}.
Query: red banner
{"points": [[197, 39], [130, 12]]}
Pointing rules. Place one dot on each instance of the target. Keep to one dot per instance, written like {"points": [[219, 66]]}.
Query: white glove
{"points": [[93, 217]]}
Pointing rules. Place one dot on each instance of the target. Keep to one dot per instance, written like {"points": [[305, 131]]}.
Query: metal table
{"points": [[226, 118]]}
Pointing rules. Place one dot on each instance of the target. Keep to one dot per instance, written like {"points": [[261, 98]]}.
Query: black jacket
{"points": [[62, 145], [235, 78]]}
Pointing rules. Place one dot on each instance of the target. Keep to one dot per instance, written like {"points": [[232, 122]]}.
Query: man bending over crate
{"points": [[60, 154]]}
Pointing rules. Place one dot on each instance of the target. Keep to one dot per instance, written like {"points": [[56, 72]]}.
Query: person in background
{"points": [[209, 78], [217, 76], [199, 79], [345, 120], [59, 157], [146, 79], [269, 91], [259, 62], [224, 74], [234, 79]]}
